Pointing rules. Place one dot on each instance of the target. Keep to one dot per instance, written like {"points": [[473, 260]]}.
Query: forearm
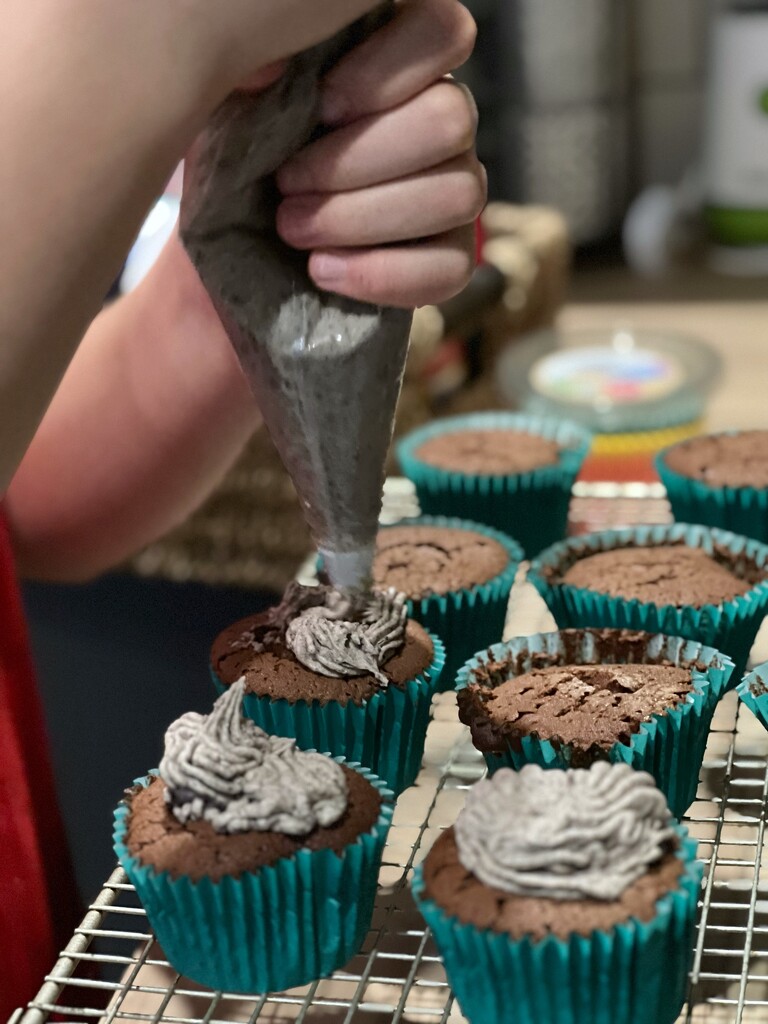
{"points": [[92, 132], [152, 411]]}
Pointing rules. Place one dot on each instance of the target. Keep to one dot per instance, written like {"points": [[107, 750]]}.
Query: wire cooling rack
{"points": [[112, 969]]}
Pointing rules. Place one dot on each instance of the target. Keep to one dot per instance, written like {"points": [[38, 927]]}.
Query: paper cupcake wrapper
{"points": [[742, 510], [386, 733], [532, 507], [753, 691], [268, 930], [670, 747], [637, 973], [470, 619], [730, 627]]}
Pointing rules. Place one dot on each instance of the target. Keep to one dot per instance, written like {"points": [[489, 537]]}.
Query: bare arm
{"points": [[150, 415]]}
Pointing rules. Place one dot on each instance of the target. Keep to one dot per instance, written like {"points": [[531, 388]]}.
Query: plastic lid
{"points": [[611, 381]]}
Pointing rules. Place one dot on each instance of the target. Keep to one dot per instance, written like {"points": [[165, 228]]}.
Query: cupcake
{"points": [[510, 471], [563, 700], [564, 898], [457, 576], [720, 480], [687, 581], [356, 681], [256, 862]]}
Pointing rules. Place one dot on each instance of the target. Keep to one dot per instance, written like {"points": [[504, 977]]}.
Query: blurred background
{"points": [[622, 282]]}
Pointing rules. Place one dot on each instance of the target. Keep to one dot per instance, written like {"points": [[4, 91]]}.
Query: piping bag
{"points": [[326, 371]]}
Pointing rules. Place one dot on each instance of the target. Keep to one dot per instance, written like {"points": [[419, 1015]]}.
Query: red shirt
{"points": [[38, 902]]}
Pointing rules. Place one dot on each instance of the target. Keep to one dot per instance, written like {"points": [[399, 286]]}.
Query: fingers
{"points": [[410, 275], [417, 206], [439, 124], [425, 41]]}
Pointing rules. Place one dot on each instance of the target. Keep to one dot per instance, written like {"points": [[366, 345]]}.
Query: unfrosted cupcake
{"points": [[457, 576], [687, 581], [257, 863], [720, 480], [510, 471], [357, 682], [568, 699], [568, 896]]}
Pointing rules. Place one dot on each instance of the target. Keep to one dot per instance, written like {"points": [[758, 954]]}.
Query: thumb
{"points": [[250, 36]]}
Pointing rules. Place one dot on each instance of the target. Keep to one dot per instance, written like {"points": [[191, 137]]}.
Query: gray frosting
{"points": [[340, 639], [325, 370], [221, 768], [564, 835]]}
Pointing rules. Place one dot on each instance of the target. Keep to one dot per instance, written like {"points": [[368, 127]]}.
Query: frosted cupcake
{"points": [[257, 863], [353, 678], [570, 896]]}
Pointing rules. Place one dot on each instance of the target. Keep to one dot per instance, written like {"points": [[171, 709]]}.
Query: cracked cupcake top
{"points": [[420, 560], [723, 460], [661, 575], [587, 707], [489, 452]]}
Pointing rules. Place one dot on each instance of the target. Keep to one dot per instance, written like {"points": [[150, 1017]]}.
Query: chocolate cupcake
{"points": [[457, 576], [357, 682], [568, 699], [510, 471], [570, 896], [688, 581], [256, 862], [720, 480]]}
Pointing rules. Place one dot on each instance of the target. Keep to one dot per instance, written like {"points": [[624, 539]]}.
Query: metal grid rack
{"points": [[112, 970]]}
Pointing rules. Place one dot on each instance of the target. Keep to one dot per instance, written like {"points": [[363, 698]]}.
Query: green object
{"points": [[730, 627], [670, 746], [753, 691], [741, 510], [385, 733], [737, 226], [637, 973], [762, 101], [531, 507], [268, 930]]}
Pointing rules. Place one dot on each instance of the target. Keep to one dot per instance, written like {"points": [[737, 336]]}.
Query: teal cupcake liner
{"points": [[532, 507], [742, 510], [637, 973], [730, 627], [670, 747], [268, 930], [753, 691], [472, 618], [386, 733]]}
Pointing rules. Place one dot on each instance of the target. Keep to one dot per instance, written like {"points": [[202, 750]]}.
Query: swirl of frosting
{"points": [[564, 835], [338, 638], [221, 768]]}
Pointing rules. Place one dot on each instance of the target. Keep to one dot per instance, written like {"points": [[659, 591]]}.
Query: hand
{"points": [[236, 39], [386, 202]]}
